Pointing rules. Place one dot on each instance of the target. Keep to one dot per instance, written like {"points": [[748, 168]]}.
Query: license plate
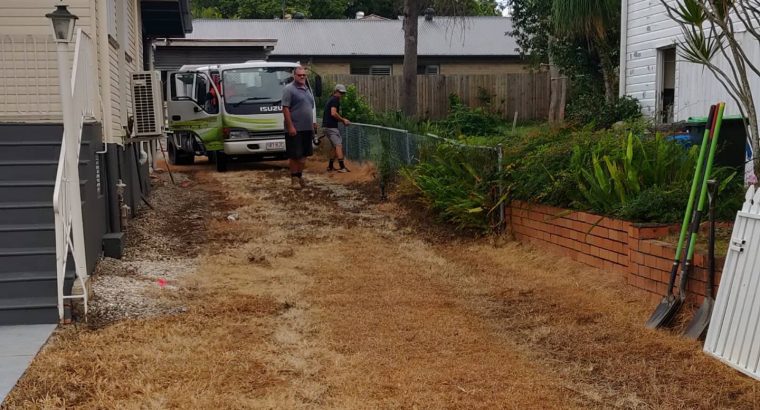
{"points": [[275, 145]]}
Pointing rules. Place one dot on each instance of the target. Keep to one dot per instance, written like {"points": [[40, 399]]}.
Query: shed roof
{"points": [[443, 36]]}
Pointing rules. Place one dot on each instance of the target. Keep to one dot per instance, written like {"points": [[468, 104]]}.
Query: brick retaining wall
{"points": [[613, 245]]}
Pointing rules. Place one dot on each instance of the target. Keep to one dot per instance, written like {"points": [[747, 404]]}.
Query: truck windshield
{"points": [[254, 90]]}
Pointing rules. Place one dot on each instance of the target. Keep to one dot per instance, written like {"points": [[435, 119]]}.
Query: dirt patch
{"points": [[327, 298]]}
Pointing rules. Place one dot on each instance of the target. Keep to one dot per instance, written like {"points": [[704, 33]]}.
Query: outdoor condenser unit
{"points": [[147, 105]]}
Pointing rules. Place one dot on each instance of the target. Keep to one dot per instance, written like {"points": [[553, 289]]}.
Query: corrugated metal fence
{"points": [[525, 93]]}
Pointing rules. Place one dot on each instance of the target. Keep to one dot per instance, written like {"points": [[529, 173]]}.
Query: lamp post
{"points": [[63, 31], [68, 212]]}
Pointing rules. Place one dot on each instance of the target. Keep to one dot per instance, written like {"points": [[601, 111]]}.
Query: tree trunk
{"points": [[554, 85], [755, 143], [562, 98], [409, 86], [609, 72], [610, 79]]}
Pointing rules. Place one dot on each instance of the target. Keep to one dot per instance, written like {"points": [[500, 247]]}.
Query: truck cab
{"points": [[227, 111]]}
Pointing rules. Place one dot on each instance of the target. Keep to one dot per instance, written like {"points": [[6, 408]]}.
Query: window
{"points": [[182, 86], [251, 90], [112, 26], [433, 69], [194, 87], [381, 70], [371, 69]]}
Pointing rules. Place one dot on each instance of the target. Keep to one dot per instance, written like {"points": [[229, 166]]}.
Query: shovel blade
{"points": [[697, 328], [664, 312]]}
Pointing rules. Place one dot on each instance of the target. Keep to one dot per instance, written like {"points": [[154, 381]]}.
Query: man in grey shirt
{"points": [[298, 109]]}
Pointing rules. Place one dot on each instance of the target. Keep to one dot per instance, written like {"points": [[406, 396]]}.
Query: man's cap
{"points": [[340, 88]]}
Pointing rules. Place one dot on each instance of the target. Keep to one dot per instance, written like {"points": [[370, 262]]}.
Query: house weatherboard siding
{"points": [[28, 16], [647, 28], [29, 79], [29, 75]]}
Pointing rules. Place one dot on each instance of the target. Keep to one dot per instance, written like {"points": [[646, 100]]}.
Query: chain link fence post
{"points": [[408, 156], [499, 164], [345, 141]]}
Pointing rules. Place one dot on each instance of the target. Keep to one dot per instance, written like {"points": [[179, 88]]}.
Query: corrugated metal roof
{"points": [[443, 36]]}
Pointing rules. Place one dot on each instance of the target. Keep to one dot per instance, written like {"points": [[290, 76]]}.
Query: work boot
{"points": [[295, 183]]}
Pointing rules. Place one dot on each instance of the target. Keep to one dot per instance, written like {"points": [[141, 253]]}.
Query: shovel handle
{"points": [[712, 191]]}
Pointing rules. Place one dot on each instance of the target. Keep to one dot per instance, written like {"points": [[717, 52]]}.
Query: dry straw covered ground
{"points": [[245, 294]]}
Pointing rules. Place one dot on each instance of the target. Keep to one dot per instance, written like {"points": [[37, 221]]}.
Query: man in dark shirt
{"points": [[300, 125], [330, 119]]}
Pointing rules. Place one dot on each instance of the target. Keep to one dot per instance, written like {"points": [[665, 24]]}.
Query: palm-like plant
{"points": [[592, 20]]}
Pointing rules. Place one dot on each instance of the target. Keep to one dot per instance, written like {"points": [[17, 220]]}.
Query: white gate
{"points": [[734, 333]]}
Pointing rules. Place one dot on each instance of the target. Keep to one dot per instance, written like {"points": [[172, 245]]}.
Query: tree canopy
{"points": [[334, 9], [578, 36]]}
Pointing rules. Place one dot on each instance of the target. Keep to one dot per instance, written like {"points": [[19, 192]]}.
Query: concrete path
{"points": [[18, 346]]}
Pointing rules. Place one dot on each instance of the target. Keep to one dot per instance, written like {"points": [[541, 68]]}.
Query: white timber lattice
{"points": [[734, 333]]}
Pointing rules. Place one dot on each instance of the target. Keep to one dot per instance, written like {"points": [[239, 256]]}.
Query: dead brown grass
{"points": [[589, 326], [320, 299]]}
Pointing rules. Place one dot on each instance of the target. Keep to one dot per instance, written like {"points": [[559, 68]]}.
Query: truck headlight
{"points": [[238, 134]]}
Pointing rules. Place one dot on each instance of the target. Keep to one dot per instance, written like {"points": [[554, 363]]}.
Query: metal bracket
{"points": [[737, 245]]}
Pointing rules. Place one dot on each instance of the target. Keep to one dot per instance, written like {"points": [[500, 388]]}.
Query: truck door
{"points": [[193, 105]]}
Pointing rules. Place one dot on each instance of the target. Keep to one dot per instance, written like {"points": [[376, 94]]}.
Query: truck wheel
{"points": [[177, 157], [221, 161]]}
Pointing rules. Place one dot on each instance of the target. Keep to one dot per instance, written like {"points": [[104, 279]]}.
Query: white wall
{"points": [[29, 70], [699, 88], [650, 28], [28, 65]]}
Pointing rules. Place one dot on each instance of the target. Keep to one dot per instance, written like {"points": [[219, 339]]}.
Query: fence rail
{"points": [[391, 149], [528, 94]]}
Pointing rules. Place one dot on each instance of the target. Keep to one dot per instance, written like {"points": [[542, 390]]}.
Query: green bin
{"points": [[732, 142]]}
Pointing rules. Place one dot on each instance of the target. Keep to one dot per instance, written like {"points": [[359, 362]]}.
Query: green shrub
{"points": [[398, 120], [464, 120], [454, 183], [657, 204], [538, 164], [586, 109], [355, 107], [644, 179], [607, 179]]}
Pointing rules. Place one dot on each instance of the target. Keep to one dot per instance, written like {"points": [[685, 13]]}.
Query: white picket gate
{"points": [[734, 333]]}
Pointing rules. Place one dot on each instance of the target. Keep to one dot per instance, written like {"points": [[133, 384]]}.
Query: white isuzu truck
{"points": [[227, 111]]}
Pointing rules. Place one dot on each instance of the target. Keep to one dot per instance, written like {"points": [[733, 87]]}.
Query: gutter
{"points": [[623, 67]]}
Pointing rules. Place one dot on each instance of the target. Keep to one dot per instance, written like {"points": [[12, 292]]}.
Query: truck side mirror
{"points": [[318, 85]]}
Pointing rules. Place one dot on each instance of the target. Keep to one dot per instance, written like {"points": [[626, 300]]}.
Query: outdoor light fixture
{"points": [[63, 23]]}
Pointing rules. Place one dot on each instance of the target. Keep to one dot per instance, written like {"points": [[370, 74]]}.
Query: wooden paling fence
{"points": [[524, 93]]}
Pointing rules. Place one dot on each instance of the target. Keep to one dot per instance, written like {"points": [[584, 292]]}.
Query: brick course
{"points": [[633, 250]]}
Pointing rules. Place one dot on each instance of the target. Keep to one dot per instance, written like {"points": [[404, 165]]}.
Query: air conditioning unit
{"points": [[147, 104]]}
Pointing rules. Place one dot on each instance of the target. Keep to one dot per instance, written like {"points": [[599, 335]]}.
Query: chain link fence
{"points": [[392, 150]]}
